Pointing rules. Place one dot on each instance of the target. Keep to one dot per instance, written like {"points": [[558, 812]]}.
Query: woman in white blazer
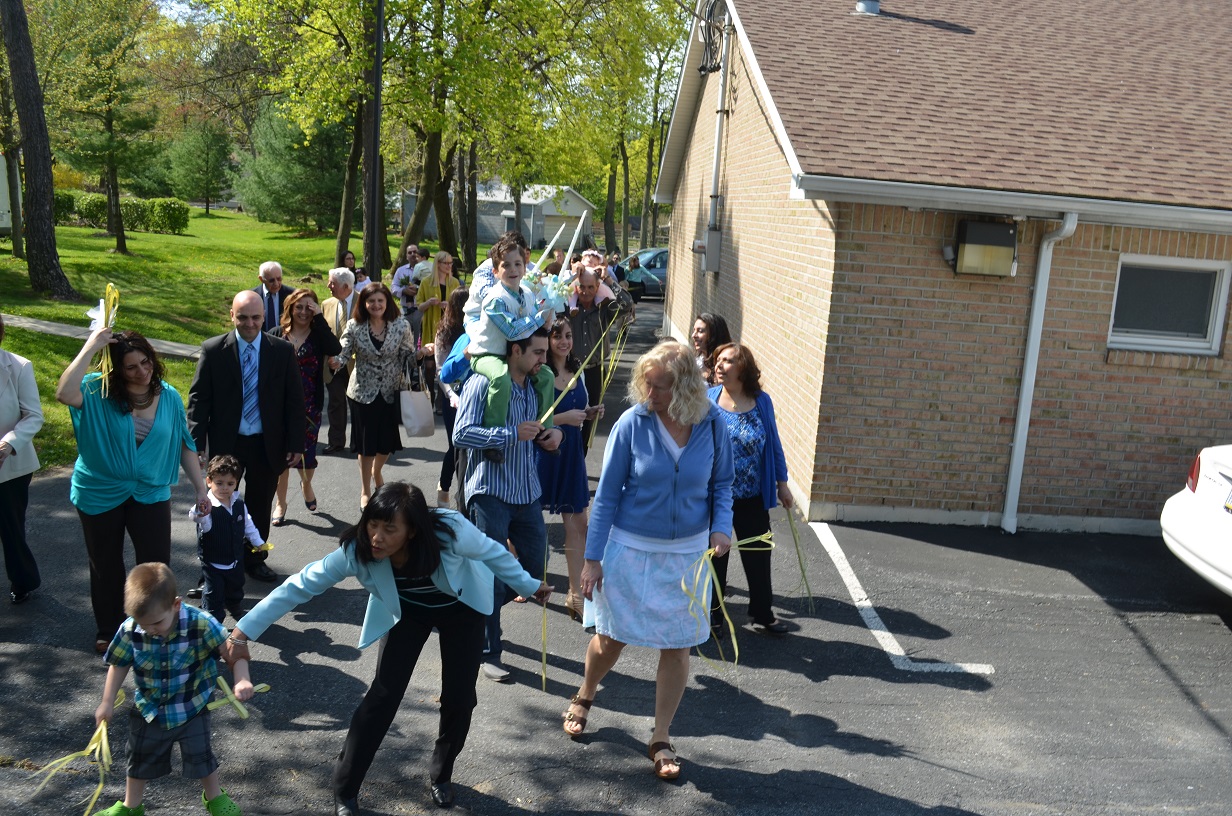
{"points": [[21, 416]]}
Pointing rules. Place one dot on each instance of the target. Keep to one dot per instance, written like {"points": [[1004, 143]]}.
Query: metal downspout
{"points": [[1026, 393]]}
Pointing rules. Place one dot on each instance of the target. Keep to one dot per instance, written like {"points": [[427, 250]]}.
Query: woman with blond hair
{"points": [[664, 498], [304, 327]]}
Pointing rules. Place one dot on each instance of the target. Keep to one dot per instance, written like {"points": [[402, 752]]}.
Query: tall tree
{"points": [[44, 261], [10, 144], [201, 163]]}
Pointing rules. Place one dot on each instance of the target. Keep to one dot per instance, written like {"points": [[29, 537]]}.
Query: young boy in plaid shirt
{"points": [[173, 649]]}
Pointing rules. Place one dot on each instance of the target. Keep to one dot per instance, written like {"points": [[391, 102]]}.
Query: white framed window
{"points": [[1169, 304]]}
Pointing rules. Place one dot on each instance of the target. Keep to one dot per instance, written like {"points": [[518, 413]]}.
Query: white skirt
{"points": [[642, 601]]}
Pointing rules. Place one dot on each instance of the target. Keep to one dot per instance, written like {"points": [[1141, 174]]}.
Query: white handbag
{"points": [[417, 416]]}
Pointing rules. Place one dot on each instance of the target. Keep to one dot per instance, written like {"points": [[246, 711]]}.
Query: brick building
{"points": [[1062, 378]]}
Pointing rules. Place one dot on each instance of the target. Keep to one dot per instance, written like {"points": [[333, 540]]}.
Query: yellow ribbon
{"points": [[609, 369], [572, 382], [111, 303], [98, 750], [231, 699], [795, 535], [543, 627]]}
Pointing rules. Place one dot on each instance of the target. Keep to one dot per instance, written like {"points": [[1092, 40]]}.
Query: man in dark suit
{"points": [[273, 293], [247, 400]]}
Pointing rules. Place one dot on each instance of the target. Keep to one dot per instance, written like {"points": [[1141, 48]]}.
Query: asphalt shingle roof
{"points": [[1124, 99]]}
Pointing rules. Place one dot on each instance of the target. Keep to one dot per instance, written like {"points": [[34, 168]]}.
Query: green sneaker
{"points": [[220, 805], [118, 809]]}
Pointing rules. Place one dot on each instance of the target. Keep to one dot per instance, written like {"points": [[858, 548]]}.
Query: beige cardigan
{"points": [[21, 415]]}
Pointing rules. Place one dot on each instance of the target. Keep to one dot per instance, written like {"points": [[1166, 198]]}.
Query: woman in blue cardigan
{"points": [[423, 568], [664, 498], [761, 477]]}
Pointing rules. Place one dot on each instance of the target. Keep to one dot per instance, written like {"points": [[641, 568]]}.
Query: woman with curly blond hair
{"points": [[664, 498]]}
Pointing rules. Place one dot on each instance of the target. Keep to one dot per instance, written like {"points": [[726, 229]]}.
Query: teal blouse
{"points": [[111, 467]]}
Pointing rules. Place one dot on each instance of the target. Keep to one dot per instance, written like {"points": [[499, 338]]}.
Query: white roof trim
{"points": [[688, 96], [1005, 202]]}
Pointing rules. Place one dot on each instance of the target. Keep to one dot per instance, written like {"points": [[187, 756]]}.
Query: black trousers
{"points": [[461, 636], [149, 526], [19, 562], [223, 591], [749, 518], [337, 411], [450, 415], [593, 378], [260, 485]]}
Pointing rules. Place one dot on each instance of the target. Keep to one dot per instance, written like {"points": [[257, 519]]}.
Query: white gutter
{"points": [[1026, 392], [1002, 202]]}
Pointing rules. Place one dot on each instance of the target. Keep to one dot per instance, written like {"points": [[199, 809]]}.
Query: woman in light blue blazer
{"points": [[424, 568]]}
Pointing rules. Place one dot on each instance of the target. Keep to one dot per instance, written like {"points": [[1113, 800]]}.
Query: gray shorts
{"points": [[149, 747]]}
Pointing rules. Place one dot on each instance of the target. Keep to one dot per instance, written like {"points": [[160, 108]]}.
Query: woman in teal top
{"points": [[424, 569], [132, 441]]}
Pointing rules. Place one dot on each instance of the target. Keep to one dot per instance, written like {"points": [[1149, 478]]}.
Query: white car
{"points": [[1197, 522]]}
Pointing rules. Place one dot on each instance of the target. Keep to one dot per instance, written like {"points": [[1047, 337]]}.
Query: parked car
{"points": [[1197, 522], [654, 262]]}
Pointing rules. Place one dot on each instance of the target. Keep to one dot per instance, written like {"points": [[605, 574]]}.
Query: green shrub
{"points": [[136, 212], [167, 215], [64, 205], [92, 208]]}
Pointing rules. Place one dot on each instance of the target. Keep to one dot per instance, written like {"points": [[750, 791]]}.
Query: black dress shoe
{"points": [[442, 794], [345, 807], [263, 573], [775, 628], [20, 597], [195, 592], [333, 449]]}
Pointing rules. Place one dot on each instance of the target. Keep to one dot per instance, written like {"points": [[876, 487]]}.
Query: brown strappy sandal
{"points": [[569, 716], [660, 764]]}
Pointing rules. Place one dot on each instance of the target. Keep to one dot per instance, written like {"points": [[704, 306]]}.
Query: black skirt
{"points": [[374, 427]]}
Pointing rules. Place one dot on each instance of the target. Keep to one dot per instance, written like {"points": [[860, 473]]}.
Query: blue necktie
{"points": [[252, 413]]}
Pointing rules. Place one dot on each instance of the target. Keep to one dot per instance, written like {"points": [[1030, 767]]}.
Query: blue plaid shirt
{"points": [[175, 675], [516, 480]]}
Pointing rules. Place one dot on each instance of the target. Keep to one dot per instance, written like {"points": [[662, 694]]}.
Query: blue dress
{"points": [[566, 488]]}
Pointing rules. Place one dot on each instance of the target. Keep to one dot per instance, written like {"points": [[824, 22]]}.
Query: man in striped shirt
{"points": [[503, 497]]}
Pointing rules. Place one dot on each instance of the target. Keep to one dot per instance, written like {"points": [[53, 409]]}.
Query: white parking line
{"points": [[873, 621]]}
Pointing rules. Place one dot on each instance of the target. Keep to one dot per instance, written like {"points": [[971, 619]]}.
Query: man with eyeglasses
{"points": [[247, 400], [273, 293]]}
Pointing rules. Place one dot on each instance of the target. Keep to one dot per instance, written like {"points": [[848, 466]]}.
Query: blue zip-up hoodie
{"points": [[642, 491]]}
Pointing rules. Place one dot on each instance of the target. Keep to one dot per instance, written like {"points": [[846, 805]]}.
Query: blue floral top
{"points": [[748, 438]]}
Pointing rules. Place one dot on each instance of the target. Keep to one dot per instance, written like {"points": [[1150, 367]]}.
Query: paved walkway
{"points": [[163, 347]]}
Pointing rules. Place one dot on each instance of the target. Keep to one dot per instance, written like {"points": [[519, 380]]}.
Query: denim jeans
{"points": [[522, 525]]}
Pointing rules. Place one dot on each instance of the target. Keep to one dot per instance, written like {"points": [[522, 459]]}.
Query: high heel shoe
{"points": [[573, 605]]}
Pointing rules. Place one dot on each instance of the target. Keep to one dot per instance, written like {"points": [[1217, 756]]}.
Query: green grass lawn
{"points": [[172, 287]]}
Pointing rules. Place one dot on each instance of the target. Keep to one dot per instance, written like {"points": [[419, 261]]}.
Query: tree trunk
{"points": [[12, 165], [624, 204], [461, 200], [44, 261], [609, 213], [643, 241], [472, 206], [382, 222], [11, 145], [447, 237], [115, 218], [424, 195], [654, 207], [517, 211]]}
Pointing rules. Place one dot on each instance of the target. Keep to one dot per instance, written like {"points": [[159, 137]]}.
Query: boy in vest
{"points": [[221, 534]]}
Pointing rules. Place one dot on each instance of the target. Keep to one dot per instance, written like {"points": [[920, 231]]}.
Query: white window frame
{"points": [[1144, 341]]}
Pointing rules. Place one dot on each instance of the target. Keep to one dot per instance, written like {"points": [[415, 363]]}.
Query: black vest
{"points": [[224, 543]]}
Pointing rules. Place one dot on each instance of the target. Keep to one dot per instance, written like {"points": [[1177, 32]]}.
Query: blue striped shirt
{"points": [[516, 480]]}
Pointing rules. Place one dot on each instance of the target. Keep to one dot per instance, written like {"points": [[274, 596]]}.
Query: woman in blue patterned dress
{"points": [[304, 327], [562, 474], [761, 478]]}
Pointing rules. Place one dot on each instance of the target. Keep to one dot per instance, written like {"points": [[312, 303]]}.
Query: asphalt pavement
{"points": [[936, 670]]}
